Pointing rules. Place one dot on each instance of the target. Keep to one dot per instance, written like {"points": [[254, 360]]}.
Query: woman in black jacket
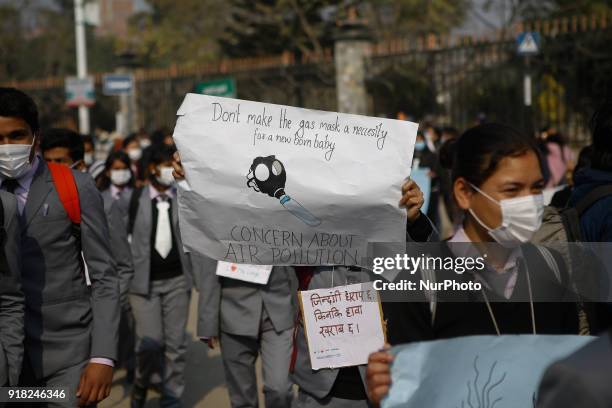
{"points": [[497, 182]]}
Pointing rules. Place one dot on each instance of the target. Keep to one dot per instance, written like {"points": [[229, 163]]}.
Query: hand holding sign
{"points": [[412, 200], [179, 172], [378, 375]]}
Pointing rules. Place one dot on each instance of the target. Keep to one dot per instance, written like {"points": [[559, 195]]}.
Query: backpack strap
{"points": [[66, 190], [592, 197], [553, 260], [133, 209]]}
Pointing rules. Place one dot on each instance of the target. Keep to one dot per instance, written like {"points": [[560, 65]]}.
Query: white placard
{"points": [[343, 325], [249, 273], [278, 185]]}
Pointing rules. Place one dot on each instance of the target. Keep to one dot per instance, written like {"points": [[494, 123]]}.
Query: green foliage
{"points": [[392, 18], [39, 42], [265, 27], [182, 32]]}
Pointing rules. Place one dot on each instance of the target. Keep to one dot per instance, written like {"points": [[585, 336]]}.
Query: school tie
{"points": [[163, 235], [10, 185]]}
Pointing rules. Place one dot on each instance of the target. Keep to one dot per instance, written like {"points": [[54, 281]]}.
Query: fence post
{"points": [[352, 45]]}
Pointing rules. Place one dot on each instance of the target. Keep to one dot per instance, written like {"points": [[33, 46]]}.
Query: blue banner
{"points": [[475, 371], [421, 177]]}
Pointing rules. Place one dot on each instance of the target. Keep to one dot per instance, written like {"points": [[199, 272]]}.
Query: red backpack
{"points": [[66, 188]]}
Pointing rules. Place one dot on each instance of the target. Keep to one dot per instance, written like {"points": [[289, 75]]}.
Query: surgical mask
{"points": [[120, 177], [521, 218], [419, 146], [165, 177], [88, 159], [135, 153], [15, 160], [144, 143]]}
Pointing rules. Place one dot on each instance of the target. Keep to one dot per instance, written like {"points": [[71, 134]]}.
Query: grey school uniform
{"points": [[251, 319], [11, 296], [66, 322], [160, 306]]}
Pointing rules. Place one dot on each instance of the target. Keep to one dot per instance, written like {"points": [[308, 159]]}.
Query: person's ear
{"points": [[152, 169], [463, 193], [35, 146]]}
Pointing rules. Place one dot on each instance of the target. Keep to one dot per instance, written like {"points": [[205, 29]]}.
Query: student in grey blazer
{"points": [[66, 147], [345, 387], [11, 297], [160, 288], [248, 320], [71, 328], [580, 380]]}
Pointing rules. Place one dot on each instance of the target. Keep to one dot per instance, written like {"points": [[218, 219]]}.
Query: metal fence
{"points": [[453, 80]]}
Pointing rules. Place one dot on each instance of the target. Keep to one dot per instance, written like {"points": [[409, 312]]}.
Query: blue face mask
{"points": [[419, 146]]}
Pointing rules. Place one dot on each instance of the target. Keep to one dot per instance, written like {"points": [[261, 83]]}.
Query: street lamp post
{"points": [[81, 55]]}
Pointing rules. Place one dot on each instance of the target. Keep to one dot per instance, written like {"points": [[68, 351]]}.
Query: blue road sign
{"points": [[528, 43], [117, 84]]}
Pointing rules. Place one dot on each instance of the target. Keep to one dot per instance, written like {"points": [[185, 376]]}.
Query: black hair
{"points": [[161, 154], [585, 158], [120, 155], [601, 129], [58, 137], [159, 135], [16, 104], [476, 154], [88, 139], [450, 130], [131, 138]]}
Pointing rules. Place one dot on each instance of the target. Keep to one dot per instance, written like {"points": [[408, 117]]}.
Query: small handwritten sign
{"points": [[343, 324], [244, 272]]}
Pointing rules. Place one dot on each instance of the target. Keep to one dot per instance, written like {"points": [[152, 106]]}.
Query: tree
{"points": [[184, 32], [267, 27], [394, 18], [11, 41]]}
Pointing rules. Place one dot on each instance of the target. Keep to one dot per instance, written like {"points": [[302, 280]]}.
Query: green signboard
{"points": [[218, 87]]}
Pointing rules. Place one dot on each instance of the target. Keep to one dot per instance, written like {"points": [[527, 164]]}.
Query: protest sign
{"points": [[475, 371], [343, 324], [422, 179], [277, 185], [244, 272]]}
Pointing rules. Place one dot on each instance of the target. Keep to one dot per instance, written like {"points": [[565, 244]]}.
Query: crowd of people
{"points": [[93, 275]]}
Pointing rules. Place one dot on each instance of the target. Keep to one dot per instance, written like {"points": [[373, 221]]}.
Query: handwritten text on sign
{"points": [[278, 185], [249, 273], [343, 325]]}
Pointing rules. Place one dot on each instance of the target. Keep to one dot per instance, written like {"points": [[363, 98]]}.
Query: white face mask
{"points": [[144, 143], [135, 153], [15, 160], [521, 218], [120, 177], [88, 159], [165, 177]]}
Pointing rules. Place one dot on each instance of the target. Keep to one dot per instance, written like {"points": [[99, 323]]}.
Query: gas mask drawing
{"points": [[267, 175]]}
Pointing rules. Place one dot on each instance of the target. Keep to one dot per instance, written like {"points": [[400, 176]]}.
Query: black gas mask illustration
{"points": [[267, 175]]}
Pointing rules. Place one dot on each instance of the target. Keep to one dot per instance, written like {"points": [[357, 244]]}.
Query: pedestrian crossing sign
{"points": [[528, 43]]}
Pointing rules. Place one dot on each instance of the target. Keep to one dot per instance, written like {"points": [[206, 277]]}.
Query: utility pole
{"points": [[81, 55]]}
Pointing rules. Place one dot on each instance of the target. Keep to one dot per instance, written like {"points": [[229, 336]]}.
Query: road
{"points": [[204, 377]]}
